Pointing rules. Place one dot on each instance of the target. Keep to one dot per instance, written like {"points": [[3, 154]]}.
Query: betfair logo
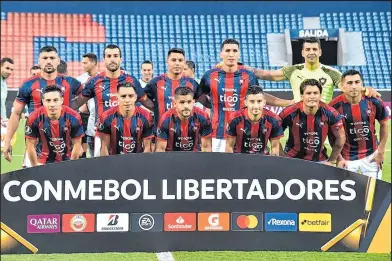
{"points": [[315, 222]]}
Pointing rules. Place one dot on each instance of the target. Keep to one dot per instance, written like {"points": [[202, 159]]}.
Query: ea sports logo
{"points": [[146, 222]]}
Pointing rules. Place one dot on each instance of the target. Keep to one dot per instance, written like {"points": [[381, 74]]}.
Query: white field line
{"points": [[165, 256]]}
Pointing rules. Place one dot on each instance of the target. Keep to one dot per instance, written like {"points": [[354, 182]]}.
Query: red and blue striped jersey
{"points": [[359, 124], [54, 136], [307, 133], [252, 137], [161, 91], [104, 90], [126, 134], [30, 92], [227, 92], [184, 135]]}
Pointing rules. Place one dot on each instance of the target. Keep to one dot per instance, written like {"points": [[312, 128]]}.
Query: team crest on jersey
{"points": [[28, 130], [322, 80], [100, 126], [241, 81], [368, 112], [322, 124]]}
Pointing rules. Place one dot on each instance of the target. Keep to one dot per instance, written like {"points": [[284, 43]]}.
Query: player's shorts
{"points": [[90, 143], [365, 167], [97, 146], [218, 145]]}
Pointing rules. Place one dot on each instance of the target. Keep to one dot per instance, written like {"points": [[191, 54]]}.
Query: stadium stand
{"points": [[199, 35]]}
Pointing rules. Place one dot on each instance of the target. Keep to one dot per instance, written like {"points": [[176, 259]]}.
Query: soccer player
{"points": [[7, 67], [87, 111], [53, 131], [147, 70], [161, 88], [103, 87], [62, 68], [185, 126], [35, 70], [309, 122], [361, 152], [250, 128], [328, 77], [30, 92], [226, 86], [125, 128], [189, 70]]}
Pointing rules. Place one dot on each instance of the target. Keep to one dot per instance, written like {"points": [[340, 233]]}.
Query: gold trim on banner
{"points": [[19, 238]]}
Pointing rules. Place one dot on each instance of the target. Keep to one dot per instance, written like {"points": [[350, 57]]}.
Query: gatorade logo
{"points": [[315, 222]]}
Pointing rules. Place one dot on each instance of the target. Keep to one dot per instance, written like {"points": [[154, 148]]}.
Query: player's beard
{"points": [[5, 75], [186, 113], [113, 69], [49, 70]]}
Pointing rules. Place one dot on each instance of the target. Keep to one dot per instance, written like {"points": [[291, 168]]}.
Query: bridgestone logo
{"points": [[113, 228], [180, 226]]}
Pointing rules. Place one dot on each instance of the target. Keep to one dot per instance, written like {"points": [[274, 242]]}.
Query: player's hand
{"points": [[7, 151], [342, 164], [329, 163], [371, 92], [378, 158]]}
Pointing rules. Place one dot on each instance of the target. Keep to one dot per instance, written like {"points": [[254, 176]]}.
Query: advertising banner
{"points": [[192, 202]]}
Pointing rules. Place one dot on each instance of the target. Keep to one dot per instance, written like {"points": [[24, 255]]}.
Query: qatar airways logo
{"points": [[128, 143], [361, 129], [311, 141], [255, 144]]}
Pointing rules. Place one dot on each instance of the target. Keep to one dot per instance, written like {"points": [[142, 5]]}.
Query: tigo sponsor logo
{"points": [[250, 221], [180, 221], [78, 223], [112, 222], [43, 223], [281, 222], [315, 222], [146, 222], [213, 221]]}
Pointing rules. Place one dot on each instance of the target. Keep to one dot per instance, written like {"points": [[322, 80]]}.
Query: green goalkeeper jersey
{"points": [[326, 75]]}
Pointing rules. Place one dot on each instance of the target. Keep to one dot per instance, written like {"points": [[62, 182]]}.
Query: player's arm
{"points": [[275, 147], [339, 137], [85, 94], [231, 131], [202, 91], [79, 101], [230, 142], [206, 132], [382, 117], [13, 124], [31, 137], [276, 135], [275, 101], [275, 75], [31, 152], [162, 135], [148, 133], [206, 144], [286, 121], [105, 141], [76, 147]]}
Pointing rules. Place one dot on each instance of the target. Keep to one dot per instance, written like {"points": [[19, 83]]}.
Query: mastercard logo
{"points": [[247, 221]]}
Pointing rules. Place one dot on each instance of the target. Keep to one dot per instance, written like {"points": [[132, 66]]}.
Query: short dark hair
{"points": [[35, 67], [311, 40], [47, 49], [92, 57], [126, 85], [176, 50], [351, 73], [6, 59], [254, 89], [310, 82], [62, 67], [183, 90], [230, 41], [111, 46], [147, 62], [191, 65], [53, 88]]}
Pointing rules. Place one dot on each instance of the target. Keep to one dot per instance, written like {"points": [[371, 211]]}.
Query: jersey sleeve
{"points": [[381, 111], [335, 76], [286, 119], [195, 86], [253, 79], [139, 89], [77, 127], [163, 130], [89, 89], [277, 130], [24, 94], [289, 70], [76, 86], [231, 128], [335, 120], [31, 128], [104, 125], [206, 128], [204, 87], [148, 128], [151, 89]]}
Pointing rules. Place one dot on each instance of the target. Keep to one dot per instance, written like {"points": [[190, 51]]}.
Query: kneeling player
{"points": [[126, 128], [182, 127], [53, 129], [361, 152], [250, 128], [309, 122]]}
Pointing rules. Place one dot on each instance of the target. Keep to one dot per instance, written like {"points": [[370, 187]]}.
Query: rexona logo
{"points": [[146, 222], [78, 223], [280, 222], [250, 221], [315, 222], [180, 221], [213, 221], [43, 223], [112, 222]]}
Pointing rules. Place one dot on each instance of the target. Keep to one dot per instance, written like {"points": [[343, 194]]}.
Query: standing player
{"points": [[190, 70], [30, 92], [161, 88], [309, 122], [328, 77], [103, 87], [125, 128], [226, 86], [250, 128], [361, 151], [87, 111], [185, 126], [7, 67], [147, 71], [53, 131], [35, 70]]}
